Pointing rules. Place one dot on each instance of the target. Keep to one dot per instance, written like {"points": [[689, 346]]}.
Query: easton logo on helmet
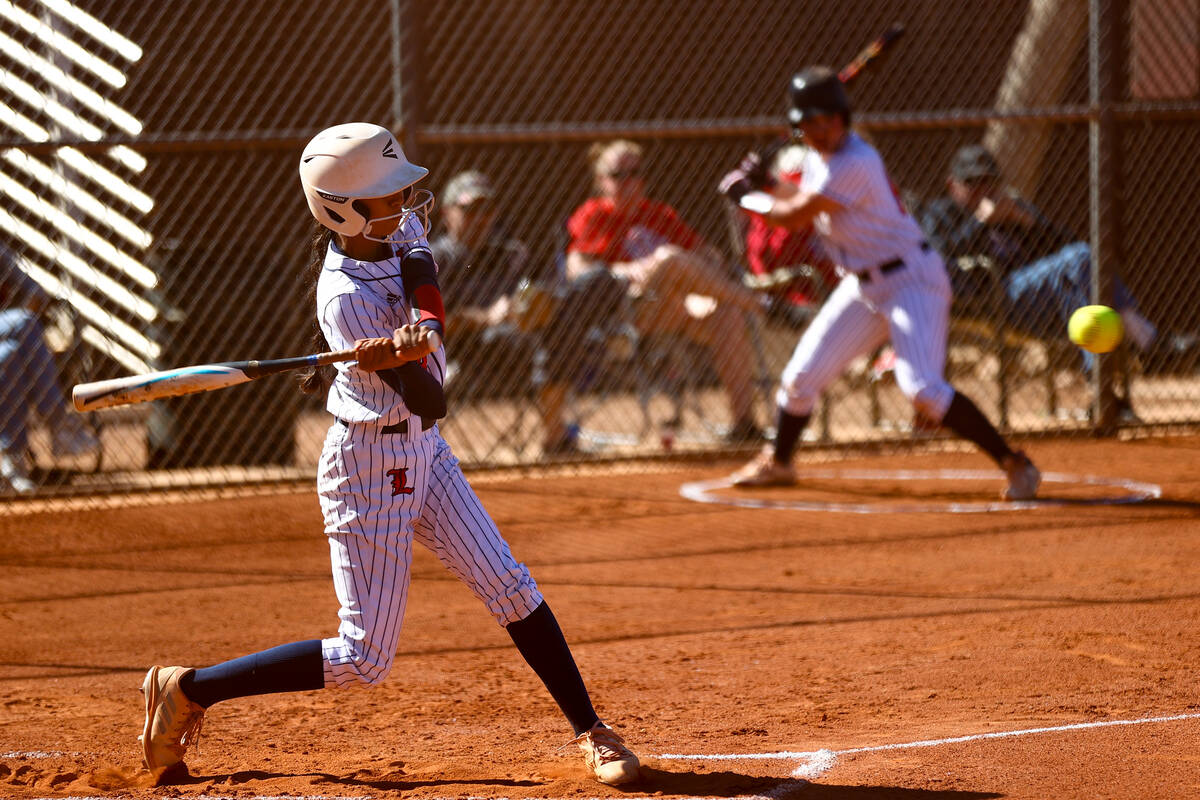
{"points": [[388, 152], [333, 198]]}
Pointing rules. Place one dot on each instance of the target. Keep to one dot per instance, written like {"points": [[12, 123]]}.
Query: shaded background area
{"points": [[225, 94]]}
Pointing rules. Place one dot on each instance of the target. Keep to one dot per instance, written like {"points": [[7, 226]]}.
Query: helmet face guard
{"points": [[416, 208], [360, 161]]}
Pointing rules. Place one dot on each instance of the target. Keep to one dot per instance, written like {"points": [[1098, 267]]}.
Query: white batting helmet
{"points": [[356, 161]]}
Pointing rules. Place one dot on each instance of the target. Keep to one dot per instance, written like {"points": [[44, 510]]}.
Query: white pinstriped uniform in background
{"points": [[380, 491], [909, 305]]}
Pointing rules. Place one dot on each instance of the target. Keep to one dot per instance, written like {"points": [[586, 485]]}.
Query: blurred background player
{"points": [[386, 476], [895, 287]]}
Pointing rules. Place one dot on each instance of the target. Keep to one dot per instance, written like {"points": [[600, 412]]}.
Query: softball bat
{"points": [[190, 380]]}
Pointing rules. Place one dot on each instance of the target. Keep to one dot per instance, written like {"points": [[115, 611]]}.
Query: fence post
{"points": [[407, 84], [1105, 71]]}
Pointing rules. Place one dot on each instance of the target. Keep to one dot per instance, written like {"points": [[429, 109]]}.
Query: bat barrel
{"points": [[188, 380], [142, 388]]}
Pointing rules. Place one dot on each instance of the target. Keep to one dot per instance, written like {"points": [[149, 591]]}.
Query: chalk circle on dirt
{"points": [[1124, 491]]}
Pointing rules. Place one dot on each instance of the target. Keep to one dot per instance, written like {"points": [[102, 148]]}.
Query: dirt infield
{"points": [[771, 652]]}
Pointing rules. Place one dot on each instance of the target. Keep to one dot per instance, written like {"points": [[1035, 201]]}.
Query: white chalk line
{"points": [[817, 762], [1134, 492]]}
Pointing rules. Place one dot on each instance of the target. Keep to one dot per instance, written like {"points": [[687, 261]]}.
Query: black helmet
{"points": [[817, 90]]}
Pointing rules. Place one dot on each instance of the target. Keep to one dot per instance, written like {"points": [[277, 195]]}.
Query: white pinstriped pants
{"points": [[373, 514], [910, 306]]}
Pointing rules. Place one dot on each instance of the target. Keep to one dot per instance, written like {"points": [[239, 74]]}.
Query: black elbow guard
{"points": [[421, 391]]}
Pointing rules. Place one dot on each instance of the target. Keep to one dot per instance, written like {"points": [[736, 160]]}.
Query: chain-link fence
{"points": [[154, 218]]}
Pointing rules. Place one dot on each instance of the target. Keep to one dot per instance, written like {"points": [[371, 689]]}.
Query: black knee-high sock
{"points": [[788, 428], [964, 418], [541, 642], [294, 667]]}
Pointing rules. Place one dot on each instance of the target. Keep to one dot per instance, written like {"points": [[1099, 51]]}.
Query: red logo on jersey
{"points": [[399, 481]]}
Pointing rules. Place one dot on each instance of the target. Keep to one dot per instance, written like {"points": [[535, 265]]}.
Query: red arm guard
{"points": [[428, 299]]}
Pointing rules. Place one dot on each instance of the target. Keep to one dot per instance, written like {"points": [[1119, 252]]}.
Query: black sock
{"points": [[787, 432], [294, 667], [541, 642], [965, 419]]}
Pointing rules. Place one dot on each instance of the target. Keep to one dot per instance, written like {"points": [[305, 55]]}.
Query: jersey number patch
{"points": [[399, 481]]}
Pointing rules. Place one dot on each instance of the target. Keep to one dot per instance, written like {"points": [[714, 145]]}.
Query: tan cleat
{"points": [[1023, 477], [607, 756], [764, 470], [172, 720]]}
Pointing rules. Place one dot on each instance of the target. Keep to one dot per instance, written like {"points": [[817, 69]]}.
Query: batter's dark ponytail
{"points": [[317, 379]]}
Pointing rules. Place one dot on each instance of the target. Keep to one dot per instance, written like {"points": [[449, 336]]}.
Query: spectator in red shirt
{"points": [[662, 261]]}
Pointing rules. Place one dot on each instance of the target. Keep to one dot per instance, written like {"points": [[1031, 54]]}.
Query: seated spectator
{"points": [[986, 231], [788, 264], [661, 262], [481, 269], [29, 381]]}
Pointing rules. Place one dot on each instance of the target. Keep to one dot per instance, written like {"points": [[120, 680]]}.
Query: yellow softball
{"points": [[1096, 328]]}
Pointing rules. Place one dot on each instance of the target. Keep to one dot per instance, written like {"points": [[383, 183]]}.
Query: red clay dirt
{"points": [[700, 629]]}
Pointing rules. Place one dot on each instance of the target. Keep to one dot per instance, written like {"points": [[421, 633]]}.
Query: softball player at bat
{"points": [[894, 286], [386, 476]]}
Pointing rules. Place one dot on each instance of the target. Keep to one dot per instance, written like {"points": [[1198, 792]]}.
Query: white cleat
{"points": [[764, 470], [607, 756]]}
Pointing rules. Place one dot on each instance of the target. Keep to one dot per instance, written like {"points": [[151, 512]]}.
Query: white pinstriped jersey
{"points": [[380, 491], [360, 300], [873, 226]]}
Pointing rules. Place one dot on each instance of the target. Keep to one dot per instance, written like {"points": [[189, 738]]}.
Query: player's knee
{"points": [[932, 401], [798, 392], [795, 401], [517, 598], [358, 664]]}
